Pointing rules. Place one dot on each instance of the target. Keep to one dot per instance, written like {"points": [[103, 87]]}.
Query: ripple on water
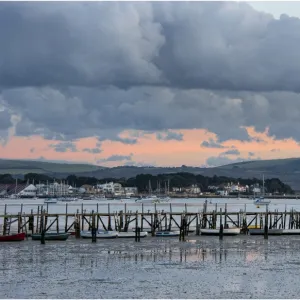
{"points": [[239, 267]]}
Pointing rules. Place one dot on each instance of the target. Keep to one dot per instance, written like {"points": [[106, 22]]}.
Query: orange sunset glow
{"points": [[150, 150]]}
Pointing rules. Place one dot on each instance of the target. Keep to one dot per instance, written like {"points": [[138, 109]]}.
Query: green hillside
{"points": [[27, 166]]}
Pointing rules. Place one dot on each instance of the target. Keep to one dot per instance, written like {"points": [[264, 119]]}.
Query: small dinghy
{"points": [[50, 200], [216, 232], [18, 237], [101, 234], [51, 236], [167, 233], [131, 234], [272, 231], [291, 232]]}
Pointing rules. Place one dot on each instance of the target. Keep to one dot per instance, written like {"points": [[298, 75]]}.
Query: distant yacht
{"points": [[261, 200]]}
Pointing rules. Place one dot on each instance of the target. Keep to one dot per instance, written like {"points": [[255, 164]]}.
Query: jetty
{"points": [[151, 219]]}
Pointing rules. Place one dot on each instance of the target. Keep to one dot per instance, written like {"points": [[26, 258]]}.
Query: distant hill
{"points": [[287, 170]]}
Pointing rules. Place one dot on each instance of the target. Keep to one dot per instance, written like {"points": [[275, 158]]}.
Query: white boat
{"points": [[261, 201], [66, 199], [272, 231], [101, 234], [131, 234], [226, 231], [167, 233], [164, 199], [50, 200], [148, 199]]}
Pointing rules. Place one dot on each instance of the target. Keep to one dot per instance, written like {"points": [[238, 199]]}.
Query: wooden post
{"points": [[97, 222], [225, 220], [170, 222], [142, 218], [152, 225], [221, 232], [94, 231], [77, 225], [82, 218], [57, 224], [266, 224], [42, 228], [37, 219], [197, 225], [109, 218], [66, 220]]}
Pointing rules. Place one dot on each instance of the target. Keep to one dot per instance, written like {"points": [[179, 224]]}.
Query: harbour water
{"points": [[201, 267]]}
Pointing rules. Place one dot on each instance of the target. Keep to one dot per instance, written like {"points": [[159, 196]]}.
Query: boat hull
{"points": [[100, 234], [216, 232], [167, 233], [18, 237], [51, 236], [125, 235], [291, 232], [261, 231]]}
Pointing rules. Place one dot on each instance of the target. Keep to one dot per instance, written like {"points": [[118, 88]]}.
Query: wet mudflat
{"points": [[201, 267]]}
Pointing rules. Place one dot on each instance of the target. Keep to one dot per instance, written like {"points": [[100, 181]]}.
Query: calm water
{"points": [[202, 267], [13, 206]]}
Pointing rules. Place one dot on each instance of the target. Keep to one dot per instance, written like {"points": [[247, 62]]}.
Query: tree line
{"points": [[180, 180]]}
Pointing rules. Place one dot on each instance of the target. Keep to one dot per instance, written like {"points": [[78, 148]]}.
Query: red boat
{"points": [[13, 237]]}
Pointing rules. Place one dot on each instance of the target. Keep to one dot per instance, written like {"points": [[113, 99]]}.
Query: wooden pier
{"points": [[42, 221]]}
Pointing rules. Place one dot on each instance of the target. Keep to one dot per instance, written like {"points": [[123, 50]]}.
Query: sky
{"points": [[149, 83]]}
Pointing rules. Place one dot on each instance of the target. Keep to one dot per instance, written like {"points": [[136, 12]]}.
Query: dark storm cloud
{"points": [[231, 152], [92, 150], [64, 147], [72, 70], [212, 144], [170, 135], [5, 121]]}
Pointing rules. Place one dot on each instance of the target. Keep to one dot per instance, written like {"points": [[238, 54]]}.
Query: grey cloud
{"points": [[251, 154], [199, 45], [115, 158], [5, 121], [169, 135], [64, 147], [212, 144], [32, 150], [92, 150], [155, 67], [275, 150], [231, 152]]}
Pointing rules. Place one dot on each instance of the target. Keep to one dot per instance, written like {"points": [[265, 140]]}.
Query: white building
{"points": [[29, 192], [193, 189], [130, 191]]}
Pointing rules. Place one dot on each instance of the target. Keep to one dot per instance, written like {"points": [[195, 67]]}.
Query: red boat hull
{"points": [[13, 237]]}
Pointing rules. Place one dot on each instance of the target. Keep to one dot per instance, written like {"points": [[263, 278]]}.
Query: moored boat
{"points": [[272, 231], [226, 231], [291, 232], [131, 234], [167, 233], [101, 234], [261, 201], [18, 237], [51, 236], [50, 200]]}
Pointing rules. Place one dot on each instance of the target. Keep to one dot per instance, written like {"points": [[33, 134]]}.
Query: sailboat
{"points": [[148, 199], [261, 200]]}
